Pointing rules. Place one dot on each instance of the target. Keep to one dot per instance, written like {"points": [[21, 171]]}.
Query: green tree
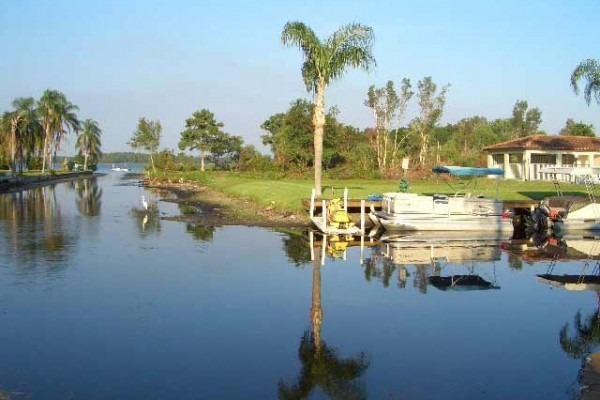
{"points": [[147, 137], [324, 62], [431, 106], [388, 108], [88, 142], [57, 116], [573, 128], [588, 70], [525, 122], [202, 133]]}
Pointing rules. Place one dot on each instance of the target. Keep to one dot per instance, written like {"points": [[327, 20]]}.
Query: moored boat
{"points": [[459, 212]]}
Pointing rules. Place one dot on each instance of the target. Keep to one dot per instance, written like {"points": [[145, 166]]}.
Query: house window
{"points": [[568, 159], [498, 159], [543, 159], [515, 158]]}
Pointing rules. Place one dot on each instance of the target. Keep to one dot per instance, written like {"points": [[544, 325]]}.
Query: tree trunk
{"points": [[316, 311], [152, 162], [13, 139], [319, 122], [44, 154], [202, 160], [85, 158]]}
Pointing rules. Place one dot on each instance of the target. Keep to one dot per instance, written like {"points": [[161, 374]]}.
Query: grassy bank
{"points": [[286, 194]]}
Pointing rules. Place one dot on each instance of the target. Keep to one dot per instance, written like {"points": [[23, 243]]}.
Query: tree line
{"points": [[32, 132]]}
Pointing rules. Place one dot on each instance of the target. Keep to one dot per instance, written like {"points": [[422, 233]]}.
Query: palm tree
{"points": [[325, 62], [58, 117], [590, 71], [88, 142]]}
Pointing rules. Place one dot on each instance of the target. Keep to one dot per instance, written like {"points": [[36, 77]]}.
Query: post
{"points": [[324, 208], [362, 249], [362, 217], [312, 203], [346, 199], [311, 238]]}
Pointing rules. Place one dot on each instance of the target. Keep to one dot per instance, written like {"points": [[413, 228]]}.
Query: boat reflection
{"points": [[580, 340]]}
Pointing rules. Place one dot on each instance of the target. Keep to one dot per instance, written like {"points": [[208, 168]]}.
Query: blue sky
{"points": [[122, 60]]}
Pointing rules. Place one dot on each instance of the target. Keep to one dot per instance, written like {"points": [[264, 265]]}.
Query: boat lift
{"points": [[325, 226]]}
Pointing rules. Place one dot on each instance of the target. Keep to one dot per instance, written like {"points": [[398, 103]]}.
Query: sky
{"points": [[163, 60]]}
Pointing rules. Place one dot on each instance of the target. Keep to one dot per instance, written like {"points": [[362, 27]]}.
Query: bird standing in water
{"points": [[144, 203]]}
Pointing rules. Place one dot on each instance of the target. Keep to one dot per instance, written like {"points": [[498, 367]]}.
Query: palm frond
{"points": [[590, 71]]}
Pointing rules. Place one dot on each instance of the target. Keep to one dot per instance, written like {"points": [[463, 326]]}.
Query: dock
{"points": [[321, 222]]}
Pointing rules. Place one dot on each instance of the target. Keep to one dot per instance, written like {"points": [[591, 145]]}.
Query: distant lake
{"points": [[103, 299]]}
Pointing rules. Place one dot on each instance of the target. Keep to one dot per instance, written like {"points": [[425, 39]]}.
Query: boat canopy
{"points": [[467, 171]]}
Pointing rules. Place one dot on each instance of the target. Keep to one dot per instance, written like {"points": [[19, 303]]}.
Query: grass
{"points": [[286, 194]]}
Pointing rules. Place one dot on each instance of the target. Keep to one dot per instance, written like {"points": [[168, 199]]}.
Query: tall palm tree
{"points": [[324, 62], [88, 142], [58, 117], [590, 71]]}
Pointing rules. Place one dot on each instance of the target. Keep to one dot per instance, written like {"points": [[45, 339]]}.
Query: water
{"points": [[102, 299]]}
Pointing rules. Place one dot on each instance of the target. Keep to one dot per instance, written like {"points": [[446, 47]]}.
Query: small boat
{"points": [[563, 213], [120, 169], [402, 211]]}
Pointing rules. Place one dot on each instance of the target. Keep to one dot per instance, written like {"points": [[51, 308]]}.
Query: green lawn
{"points": [[288, 193]]}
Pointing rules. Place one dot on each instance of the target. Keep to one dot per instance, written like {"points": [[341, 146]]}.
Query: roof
{"points": [[540, 142]]}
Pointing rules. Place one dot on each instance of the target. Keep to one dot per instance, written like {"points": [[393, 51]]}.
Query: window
{"points": [[498, 159], [515, 158], [543, 159], [568, 159]]}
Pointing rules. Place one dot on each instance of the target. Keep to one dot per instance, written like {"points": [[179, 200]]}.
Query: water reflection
{"points": [[146, 217], [89, 197], [321, 365], [34, 228]]}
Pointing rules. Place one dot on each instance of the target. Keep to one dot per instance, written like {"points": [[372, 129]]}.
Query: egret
{"points": [[144, 203]]}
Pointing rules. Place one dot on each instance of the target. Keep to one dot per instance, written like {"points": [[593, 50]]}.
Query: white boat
{"points": [[459, 212], [569, 213], [119, 169]]}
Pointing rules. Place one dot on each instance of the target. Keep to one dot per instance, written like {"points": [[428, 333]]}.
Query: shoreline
{"points": [[20, 183], [217, 209]]}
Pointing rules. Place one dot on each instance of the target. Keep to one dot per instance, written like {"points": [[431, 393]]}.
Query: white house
{"points": [[524, 157]]}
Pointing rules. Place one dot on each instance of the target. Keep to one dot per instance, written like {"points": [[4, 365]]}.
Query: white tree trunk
{"points": [[319, 123]]}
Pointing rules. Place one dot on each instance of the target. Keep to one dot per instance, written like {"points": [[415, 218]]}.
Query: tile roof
{"points": [[541, 142]]}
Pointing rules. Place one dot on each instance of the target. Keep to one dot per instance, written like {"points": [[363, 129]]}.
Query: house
{"points": [[524, 157]]}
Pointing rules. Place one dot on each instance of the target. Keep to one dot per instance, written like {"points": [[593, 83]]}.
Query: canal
{"points": [[101, 298]]}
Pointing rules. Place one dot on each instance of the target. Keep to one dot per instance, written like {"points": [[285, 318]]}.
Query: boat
{"points": [[462, 211], [120, 169], [563, 214]]}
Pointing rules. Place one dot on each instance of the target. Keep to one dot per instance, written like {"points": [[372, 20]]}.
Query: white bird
{"points": [[144, 203]]}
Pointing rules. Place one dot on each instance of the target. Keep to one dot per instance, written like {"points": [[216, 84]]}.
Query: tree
{"points": [[431, 106], [201, 133], [589, 70], [525, 122], [147, 137], [324, 62], [58, 117], [387, 108], [88, 142], [573, 128]]}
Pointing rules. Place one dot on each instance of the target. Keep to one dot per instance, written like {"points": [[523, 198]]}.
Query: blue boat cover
{"points": [[467, 171]]}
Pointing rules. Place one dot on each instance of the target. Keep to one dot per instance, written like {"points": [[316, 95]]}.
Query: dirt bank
{"points": [[213, 208]]}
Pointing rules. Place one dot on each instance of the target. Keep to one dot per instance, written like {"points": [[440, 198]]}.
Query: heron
{"points": [[144, 203]]}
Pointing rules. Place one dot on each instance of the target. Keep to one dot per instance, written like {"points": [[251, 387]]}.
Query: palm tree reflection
{"points": [[322, 367], [89, 197]]}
